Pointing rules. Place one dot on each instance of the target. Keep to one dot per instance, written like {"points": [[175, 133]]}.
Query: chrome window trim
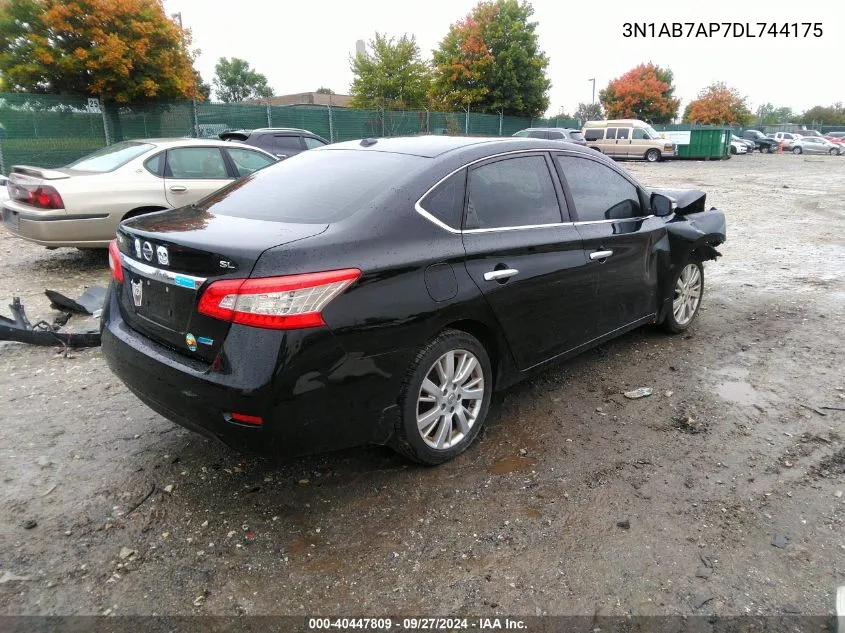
{"points": [[165, 276], [428, 216]]}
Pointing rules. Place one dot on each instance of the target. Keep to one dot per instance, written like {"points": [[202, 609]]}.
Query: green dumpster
{"points": [[707, 143]]}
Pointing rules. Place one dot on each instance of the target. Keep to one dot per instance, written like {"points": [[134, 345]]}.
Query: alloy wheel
{"points": [[450, 399], [687, 294]]}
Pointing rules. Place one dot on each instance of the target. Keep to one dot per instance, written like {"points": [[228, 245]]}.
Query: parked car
{"points": [[554, 133], [282, 142], [738, 147], [761, 141], [784, 139], [835, 137], [4, 192], [378, 292], [628, 138], [815, 145], [749, 145], [81, 204]]}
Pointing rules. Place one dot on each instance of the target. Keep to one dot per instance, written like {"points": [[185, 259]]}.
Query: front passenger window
{"points": [[599, 193], [511, 192]]}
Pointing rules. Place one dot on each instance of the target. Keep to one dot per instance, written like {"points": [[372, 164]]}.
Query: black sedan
{"points": [[379, 291]]}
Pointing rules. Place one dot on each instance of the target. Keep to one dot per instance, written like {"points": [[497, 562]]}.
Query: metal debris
{"points": [[641, 392]]}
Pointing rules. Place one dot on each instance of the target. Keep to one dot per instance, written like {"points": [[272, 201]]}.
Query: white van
{"points": [[628, 138]]}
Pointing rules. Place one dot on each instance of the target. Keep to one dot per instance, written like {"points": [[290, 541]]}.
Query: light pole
{"points": [[594, 89]]}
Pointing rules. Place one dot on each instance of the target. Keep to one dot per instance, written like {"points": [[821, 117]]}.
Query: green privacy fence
{"points": [[53, 130]]}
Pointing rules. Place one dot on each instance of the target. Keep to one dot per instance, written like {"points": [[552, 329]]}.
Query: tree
{"points": [[717, 104], [589, 112], [203, 89], [393, 76], [235, 81], [491, 62], [325, 91], [118, 50], [819, 115], [645, 92], [767, 114]]}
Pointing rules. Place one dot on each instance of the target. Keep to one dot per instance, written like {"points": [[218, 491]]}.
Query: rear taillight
{"points": [[280, 303], [114, 261], [43, 196]]}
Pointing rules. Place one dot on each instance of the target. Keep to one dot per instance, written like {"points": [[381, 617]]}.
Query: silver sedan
{"points": [[814, 145]]}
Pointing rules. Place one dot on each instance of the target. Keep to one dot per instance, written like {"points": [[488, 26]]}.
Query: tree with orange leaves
{"points": [[645, 92], [118, 50], [491, 61], [718, 104]]}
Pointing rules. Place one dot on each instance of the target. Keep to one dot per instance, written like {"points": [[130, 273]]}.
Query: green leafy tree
{"points": [[491, 61], [820, 115], [589, 112], [767, 114], [118, 50], [203, 89], [645, 92], [235, 81], [393, 75], [322, 90]]}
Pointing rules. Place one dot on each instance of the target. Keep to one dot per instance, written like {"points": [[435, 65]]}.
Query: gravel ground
{"points": [[721, 493]]}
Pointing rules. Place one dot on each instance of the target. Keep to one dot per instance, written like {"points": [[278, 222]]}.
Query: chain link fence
{"points": [[54, 130]]}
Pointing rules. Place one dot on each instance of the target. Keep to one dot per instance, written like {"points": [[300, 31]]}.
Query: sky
{"points": [[301, 45]]}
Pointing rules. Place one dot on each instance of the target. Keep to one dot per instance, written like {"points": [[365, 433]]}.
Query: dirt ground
{"points": [[721, 493]]}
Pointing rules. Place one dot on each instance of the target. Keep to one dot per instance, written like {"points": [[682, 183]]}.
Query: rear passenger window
{"points": [[594, 134], [611, 132], [287, 142], [155, 165], [538, 134], [512, 192], [623, 133], [556, 135], [446, 201], [599, 193]]}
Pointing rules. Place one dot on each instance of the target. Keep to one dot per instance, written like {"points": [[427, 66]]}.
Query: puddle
{"points": [[533, 513], [732, 371], [738, 392], [301, 546], [512, 464]]}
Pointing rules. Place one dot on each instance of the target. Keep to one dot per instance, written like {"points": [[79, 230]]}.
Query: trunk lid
{"points": [[27, 174], [170, 256]]}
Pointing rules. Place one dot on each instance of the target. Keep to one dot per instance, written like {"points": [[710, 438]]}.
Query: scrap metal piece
{"points": [[89, 303], [21, 330]]}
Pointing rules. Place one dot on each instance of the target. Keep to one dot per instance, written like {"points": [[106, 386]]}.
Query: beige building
{"points": [[306, 98]]}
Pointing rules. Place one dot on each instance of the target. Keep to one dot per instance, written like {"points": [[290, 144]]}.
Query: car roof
{"points": [[434, 146], [269, 129], [176, 142], [551, 129]]}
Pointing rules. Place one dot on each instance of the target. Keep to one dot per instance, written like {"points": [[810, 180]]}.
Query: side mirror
{"points": [[661, 205]]}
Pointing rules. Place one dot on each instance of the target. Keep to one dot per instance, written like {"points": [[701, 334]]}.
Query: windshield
{"points": [[522, 133], [316, 187], [576, 136], [111, 157], [652, 133]]}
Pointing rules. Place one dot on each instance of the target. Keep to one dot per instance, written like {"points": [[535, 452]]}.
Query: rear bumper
{"points": [[58, 228], [317, 398]]}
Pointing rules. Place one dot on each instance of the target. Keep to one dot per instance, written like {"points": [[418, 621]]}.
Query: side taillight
{"points": [[41, 196], [114, 261], [280, 303]]}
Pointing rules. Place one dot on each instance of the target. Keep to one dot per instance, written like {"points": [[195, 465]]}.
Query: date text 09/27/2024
{"points": [[417, 624], [722, 29]]}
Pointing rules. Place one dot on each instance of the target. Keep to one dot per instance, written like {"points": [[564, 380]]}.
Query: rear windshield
{"points": [[576, 136], [111, 157], [316, 187]]}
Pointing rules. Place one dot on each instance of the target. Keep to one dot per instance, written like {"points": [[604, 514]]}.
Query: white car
{"points": [[784, 138], [82, 204], [815, 145], [738, 148]]}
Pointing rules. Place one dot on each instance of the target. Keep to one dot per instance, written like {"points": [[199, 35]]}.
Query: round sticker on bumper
{"points": [[191, 342]]}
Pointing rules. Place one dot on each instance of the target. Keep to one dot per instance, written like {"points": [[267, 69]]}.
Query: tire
{"points": [[834, 151], [652, 155], [733, 150], [796, 150], [428, 395], [769, 149], [680, 319]]}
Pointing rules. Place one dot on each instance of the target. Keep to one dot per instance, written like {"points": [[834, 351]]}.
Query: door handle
{"points": [[502, 273], [178, 188], [599, 255]]}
